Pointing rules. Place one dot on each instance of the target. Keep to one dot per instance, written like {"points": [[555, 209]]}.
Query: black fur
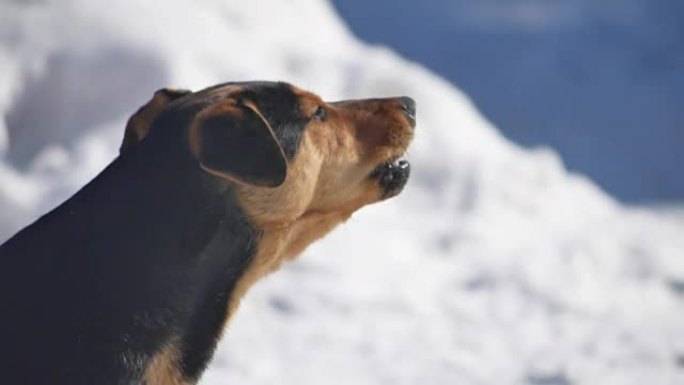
{"points": [[280, 107], [222, 150], [147, 252]]}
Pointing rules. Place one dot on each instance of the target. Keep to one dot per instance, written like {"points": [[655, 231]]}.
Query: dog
{"points": [[133, 279]]}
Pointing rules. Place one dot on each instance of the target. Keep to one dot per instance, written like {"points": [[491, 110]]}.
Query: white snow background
{"points": [[495, 266]]}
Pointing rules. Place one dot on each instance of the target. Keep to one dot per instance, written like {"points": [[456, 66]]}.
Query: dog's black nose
{"points": [[408, 106]]}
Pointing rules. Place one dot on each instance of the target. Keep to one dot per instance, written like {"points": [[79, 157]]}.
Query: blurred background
{"points": [[540, 240], [602, 82]]}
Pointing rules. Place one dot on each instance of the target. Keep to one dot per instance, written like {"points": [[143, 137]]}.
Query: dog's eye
{"points": [[320, 114]]}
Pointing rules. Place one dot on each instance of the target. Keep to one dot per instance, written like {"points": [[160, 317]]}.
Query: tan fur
{"points": [[292, 199], [163, 369], [138, 125], [327, 182]]}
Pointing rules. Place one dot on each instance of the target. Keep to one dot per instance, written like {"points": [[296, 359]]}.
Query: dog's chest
{"points": [[218, 268]]}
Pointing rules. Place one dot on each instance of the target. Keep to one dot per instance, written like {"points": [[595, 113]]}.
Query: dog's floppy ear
{"points": [[233, 140], [138, 125]]}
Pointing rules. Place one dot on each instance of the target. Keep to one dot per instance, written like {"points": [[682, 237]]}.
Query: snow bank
{"points": [[495, 266]]}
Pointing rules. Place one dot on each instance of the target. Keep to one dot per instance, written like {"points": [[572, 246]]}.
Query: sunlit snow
{"points": [[495, 266]]}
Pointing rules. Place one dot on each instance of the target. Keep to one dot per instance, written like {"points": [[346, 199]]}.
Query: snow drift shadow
{"points": [[76, 92]]}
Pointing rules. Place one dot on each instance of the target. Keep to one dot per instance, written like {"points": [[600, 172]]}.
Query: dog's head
{"points": [[286, 151]]}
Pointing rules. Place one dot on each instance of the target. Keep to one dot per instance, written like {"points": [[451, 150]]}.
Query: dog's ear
{"points": [[233, 140], [138, 125]]}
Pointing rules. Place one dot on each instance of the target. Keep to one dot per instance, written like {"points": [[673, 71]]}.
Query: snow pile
{"points": [[494, 267], [571, 74]]}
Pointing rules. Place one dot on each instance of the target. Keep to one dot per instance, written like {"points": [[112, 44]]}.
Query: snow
{"points": [[599, 81], [495, 266]]}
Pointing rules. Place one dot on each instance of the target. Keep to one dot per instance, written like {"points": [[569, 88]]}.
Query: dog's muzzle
{"points": [[393, 174]]}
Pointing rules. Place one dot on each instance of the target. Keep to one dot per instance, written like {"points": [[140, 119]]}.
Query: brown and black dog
{"points": [[132, 279]]}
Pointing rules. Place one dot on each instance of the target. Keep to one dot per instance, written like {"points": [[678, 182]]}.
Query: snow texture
{"points": [[495, 266]]}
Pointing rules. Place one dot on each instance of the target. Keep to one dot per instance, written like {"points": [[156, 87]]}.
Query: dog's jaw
{"points": [[392, 177]]}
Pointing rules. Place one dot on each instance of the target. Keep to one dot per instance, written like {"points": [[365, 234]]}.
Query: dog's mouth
{"points": [[392, 176]]}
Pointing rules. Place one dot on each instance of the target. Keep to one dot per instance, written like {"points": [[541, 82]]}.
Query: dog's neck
{"points": [[283, 242], [230, 264]]}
